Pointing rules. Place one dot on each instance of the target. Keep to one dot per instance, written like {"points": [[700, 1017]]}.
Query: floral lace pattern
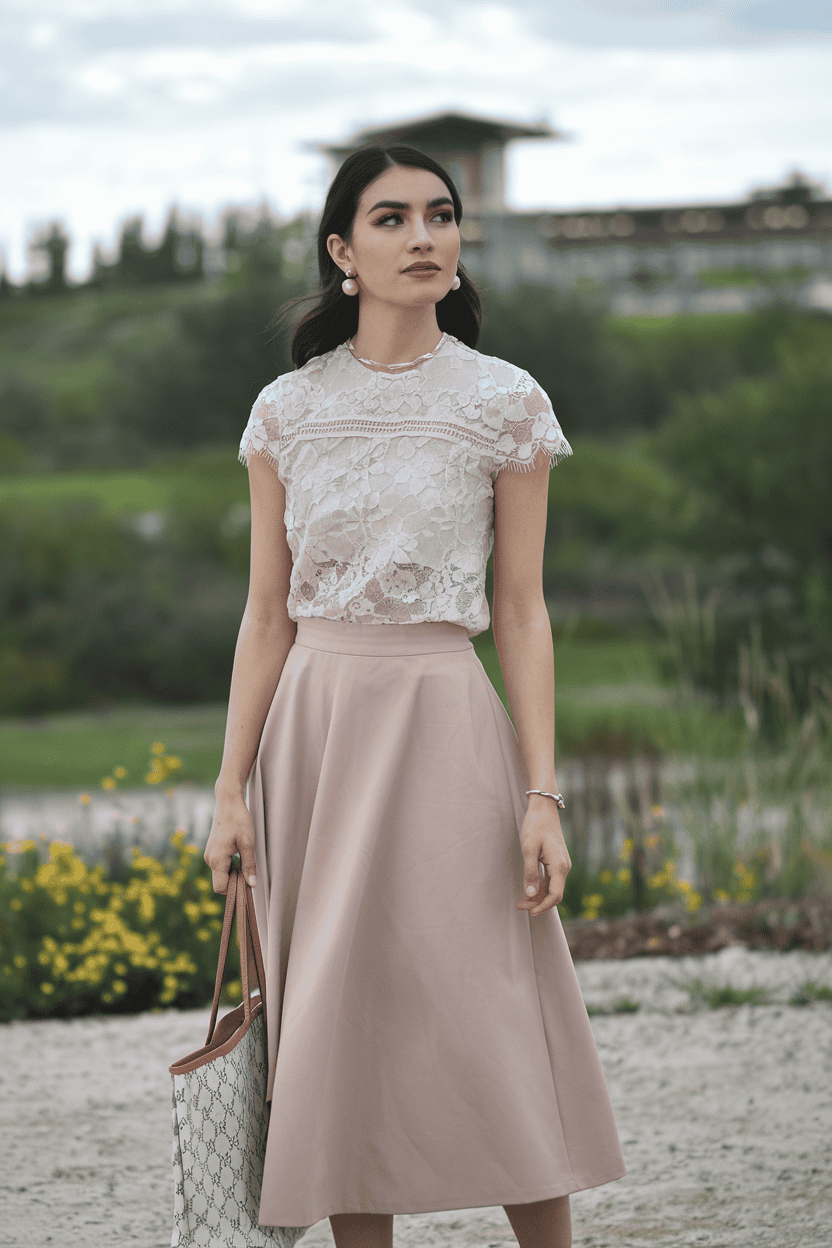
{"points": [[389, 479]]}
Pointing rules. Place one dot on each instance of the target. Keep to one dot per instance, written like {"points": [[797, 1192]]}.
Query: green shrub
{"points": [[809, 992], [714, 996], [75, 942]]}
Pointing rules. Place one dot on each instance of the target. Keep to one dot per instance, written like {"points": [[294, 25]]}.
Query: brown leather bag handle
{"points": [[239, 897], [254, 937]]}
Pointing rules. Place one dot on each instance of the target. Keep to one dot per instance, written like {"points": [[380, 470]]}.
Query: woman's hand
{"points": [[232, 832], [541, 840]]}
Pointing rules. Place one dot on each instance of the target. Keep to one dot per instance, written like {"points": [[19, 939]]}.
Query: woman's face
{"points": [[404, 219]]}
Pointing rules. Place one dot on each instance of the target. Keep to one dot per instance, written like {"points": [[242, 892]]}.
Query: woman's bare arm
{"points": [[523, 636], [266, 635]]}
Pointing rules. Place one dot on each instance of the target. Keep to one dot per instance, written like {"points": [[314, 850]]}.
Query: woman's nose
{"points": [[420, 237]]}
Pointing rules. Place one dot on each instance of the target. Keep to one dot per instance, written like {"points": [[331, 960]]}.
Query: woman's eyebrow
{"points": [[402, 207]]}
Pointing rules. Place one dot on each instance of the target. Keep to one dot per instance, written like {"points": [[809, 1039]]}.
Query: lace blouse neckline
{"points": [[402, 372]]}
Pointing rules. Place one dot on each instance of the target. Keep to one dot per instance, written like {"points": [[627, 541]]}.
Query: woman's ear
{"points": [[339, 251]]}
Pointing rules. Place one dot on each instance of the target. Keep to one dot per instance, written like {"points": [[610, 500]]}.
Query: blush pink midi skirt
{"points": [[428, 1045]]}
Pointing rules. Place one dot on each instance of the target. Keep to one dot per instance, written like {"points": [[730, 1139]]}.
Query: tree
{"points": [[54, 243], [760, 454]]}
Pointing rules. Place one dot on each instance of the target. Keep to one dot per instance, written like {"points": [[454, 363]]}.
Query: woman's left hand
{"points": [[541, 841]]}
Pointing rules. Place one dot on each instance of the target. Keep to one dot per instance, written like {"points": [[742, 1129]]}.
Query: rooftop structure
{"points": [[471, 148]]}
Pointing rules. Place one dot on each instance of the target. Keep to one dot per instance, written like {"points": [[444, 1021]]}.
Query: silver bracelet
{"points": [[558, 798]]}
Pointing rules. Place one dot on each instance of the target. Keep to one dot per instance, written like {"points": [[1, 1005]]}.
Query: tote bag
{"points": [[220, 1116]]}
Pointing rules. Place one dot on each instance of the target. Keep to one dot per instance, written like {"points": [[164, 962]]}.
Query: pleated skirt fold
{"points": [[429, 1048]]}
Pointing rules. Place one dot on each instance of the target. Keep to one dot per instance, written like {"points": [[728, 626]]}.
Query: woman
{"points": [[428, 1044]]}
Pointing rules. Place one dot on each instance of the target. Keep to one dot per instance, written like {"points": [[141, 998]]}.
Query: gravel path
{"points": [[725, 1118]]}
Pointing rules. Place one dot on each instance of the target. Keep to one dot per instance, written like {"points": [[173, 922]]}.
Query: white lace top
{"points": [[389, 479]]}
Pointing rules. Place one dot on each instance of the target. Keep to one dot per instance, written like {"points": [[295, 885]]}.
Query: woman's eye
{"points": [[445, 215]]}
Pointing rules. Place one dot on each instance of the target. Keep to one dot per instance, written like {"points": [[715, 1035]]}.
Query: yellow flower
{"points": [[108, 783], [47, 988], [19, 960], [157, 748], [624, 875], [721, 895], [606, 877], [16, 903], [627, 849], [84, 799], [120, 771]]}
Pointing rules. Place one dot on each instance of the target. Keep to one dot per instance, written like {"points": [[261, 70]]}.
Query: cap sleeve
{"points": [[529, 425], [261, 435]]}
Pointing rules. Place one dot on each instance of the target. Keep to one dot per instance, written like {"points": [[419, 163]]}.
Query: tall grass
{"points": [[763, 819]]}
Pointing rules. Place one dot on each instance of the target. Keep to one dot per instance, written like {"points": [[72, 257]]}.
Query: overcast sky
{"points": [[116, 107]]}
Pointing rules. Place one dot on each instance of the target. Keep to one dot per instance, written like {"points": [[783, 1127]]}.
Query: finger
{"points": [[530, 880], [552, 896], [220, 872], [248, 863], [548, 903], [531, 873]]}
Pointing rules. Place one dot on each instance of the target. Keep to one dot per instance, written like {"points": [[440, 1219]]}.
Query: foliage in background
{"points": [[759, 456], [91, 610], [74, 941], [701, 444]]}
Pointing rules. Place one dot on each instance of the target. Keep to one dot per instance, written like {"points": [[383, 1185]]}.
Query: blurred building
{"points": [[656, 261]]}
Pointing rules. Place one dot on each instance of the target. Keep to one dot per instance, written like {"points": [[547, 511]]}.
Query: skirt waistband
{"points": [[346, 637]]}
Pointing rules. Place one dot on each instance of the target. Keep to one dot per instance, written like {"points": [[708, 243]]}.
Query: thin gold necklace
{"points": [[406, 364]]}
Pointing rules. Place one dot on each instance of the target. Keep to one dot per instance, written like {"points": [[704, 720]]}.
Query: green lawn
{"points": [[79, 748], [193, 477]]}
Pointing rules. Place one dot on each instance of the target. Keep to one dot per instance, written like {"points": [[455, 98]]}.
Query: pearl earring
{"points": [[456, 283], [348, 286]]}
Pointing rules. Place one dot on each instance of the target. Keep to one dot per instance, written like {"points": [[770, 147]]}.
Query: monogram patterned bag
{"points": [[220, 1115]]}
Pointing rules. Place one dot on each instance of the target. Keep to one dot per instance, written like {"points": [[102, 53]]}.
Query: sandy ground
{"points": [[725, 1117]]}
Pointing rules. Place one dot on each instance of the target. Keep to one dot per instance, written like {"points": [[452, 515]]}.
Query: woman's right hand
{"points": [[232, 832]]}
